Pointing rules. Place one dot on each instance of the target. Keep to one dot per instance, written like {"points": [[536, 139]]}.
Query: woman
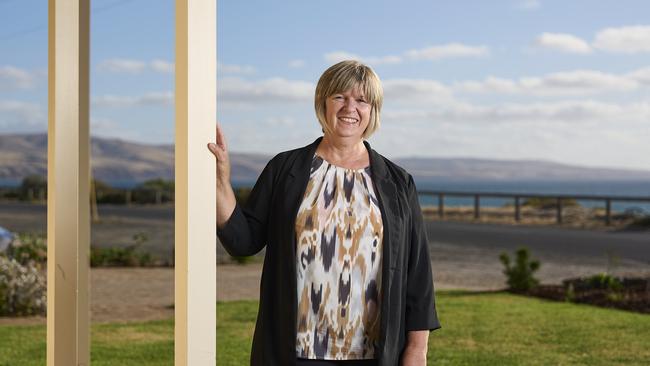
{"points": [[347, 274]]}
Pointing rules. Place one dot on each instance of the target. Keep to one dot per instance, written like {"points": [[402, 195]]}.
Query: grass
{"points": [[478, 329]]}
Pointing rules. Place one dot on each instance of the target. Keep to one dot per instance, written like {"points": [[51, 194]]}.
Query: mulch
{"points": [[634, 294]]}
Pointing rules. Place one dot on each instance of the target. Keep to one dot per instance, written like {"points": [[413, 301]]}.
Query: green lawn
{"points": [[478, 329]]}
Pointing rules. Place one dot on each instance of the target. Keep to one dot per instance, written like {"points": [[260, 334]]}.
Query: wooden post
{"points": [[441, 205], [128, 197], [68, 221], [477, 206], [608, 211], [195, 187], [517, 209], [559, 210]]}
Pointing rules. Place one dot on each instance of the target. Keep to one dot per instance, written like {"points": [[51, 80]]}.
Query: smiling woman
{"points": [[347, 276]]}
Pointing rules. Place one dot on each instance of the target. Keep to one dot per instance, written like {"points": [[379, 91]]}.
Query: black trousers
{"points": [[307, 362]]}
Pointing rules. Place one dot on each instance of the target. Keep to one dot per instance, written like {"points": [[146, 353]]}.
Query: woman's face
{"points": [[348, 113]]}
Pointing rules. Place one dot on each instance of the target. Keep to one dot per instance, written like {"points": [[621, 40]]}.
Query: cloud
{"points": [[642, 76], [337, 56], [450, 50], [120, 65], [240, 91], [563, 42], [150, 99], [162, 66], [577, 82], [21, 114], [235, 69], [415, 90], [529, 4], [295, 64], [12, 78], [130, 66], [564, 112], [433, 53], [630, 39]]}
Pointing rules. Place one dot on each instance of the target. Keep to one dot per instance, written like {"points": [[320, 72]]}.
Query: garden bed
{"points": [[632, 294]]}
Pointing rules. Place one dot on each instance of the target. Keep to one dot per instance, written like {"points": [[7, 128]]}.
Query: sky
{"points": [[566, 81]]}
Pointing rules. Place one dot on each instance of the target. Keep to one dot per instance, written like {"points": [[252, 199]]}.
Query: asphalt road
{"points": [[553, 241]]}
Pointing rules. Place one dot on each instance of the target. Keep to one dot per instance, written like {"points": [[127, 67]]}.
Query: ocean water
{"points": [[605, 188]]}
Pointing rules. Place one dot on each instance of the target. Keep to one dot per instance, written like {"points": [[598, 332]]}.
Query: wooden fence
{"points": [[517, 197]]}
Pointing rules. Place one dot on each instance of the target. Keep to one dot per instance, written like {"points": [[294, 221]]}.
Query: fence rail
{"points": [[518, 196]]}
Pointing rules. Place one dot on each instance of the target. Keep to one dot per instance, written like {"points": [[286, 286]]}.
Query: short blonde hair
{"points": [[342, 77]]}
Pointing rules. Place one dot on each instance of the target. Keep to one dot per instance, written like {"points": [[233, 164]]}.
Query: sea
{"points": [[604, 188]]}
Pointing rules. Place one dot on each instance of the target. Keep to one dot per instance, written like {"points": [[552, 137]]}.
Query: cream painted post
{"points": [[195, 193], [68, 173]]}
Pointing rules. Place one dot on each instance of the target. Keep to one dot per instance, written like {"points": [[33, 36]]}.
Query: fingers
{"points": [[221, 138]]}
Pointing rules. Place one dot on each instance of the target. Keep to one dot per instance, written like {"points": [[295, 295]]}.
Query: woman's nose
{"points": [[350, 104]]}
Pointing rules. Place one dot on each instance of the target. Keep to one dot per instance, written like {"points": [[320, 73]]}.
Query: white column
{"points": [[68, 221], [195, 222]]}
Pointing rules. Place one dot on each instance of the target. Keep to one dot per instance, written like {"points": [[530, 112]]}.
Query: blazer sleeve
{"points": [[245, 231], [420, 302]]}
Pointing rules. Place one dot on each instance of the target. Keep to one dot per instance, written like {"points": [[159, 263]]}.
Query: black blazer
{"points": [[269, 219]]}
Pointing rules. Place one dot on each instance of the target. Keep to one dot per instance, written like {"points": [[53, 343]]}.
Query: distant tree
{"points": [[33, 187]]}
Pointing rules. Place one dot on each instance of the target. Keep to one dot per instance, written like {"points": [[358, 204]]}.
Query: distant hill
{"points": [[115, 160]]}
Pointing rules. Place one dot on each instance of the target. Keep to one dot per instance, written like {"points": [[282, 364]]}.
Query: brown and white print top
{"points": [[339, 235]]}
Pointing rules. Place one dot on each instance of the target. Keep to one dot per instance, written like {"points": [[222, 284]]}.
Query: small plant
{"points": [[242, 259], [128, 256], [570, 293], [22, 288], [520, 273], [605, 281]]}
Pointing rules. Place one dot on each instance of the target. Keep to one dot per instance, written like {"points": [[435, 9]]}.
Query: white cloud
{"points": [[641, 75], [566, 113], [162, 66], [433, 53], [235, 69], [450, 50], [149, 99], [21, 114], [240, 91], [630, 39], [120, 65], [414, 90], [12, 78], [563, 42], [577, 82], [337, 56], [295, 64], [529, 4]]}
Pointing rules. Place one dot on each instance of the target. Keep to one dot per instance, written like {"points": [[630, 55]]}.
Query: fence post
{"points": [[477, 206], [559, 210], [441, 205], [517, 209], [608, 211]]}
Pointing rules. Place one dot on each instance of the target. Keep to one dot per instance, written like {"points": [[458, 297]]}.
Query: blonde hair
{"points": [[342, 77]]}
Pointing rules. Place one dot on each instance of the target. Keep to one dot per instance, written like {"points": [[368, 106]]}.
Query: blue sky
{"points": [[567, 81]]}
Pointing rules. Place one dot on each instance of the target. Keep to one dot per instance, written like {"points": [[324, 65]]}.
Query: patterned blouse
{"points": [[339, 235]]}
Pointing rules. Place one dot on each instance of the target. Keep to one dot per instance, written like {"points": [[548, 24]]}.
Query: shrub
{"points": [[128, 256], [548, 202], [28, 248], [605, 281], [520, 274], [22, 288]]}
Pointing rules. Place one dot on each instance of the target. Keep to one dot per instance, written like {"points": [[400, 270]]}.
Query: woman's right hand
{"points": [[225, 196], [220, 151]]}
